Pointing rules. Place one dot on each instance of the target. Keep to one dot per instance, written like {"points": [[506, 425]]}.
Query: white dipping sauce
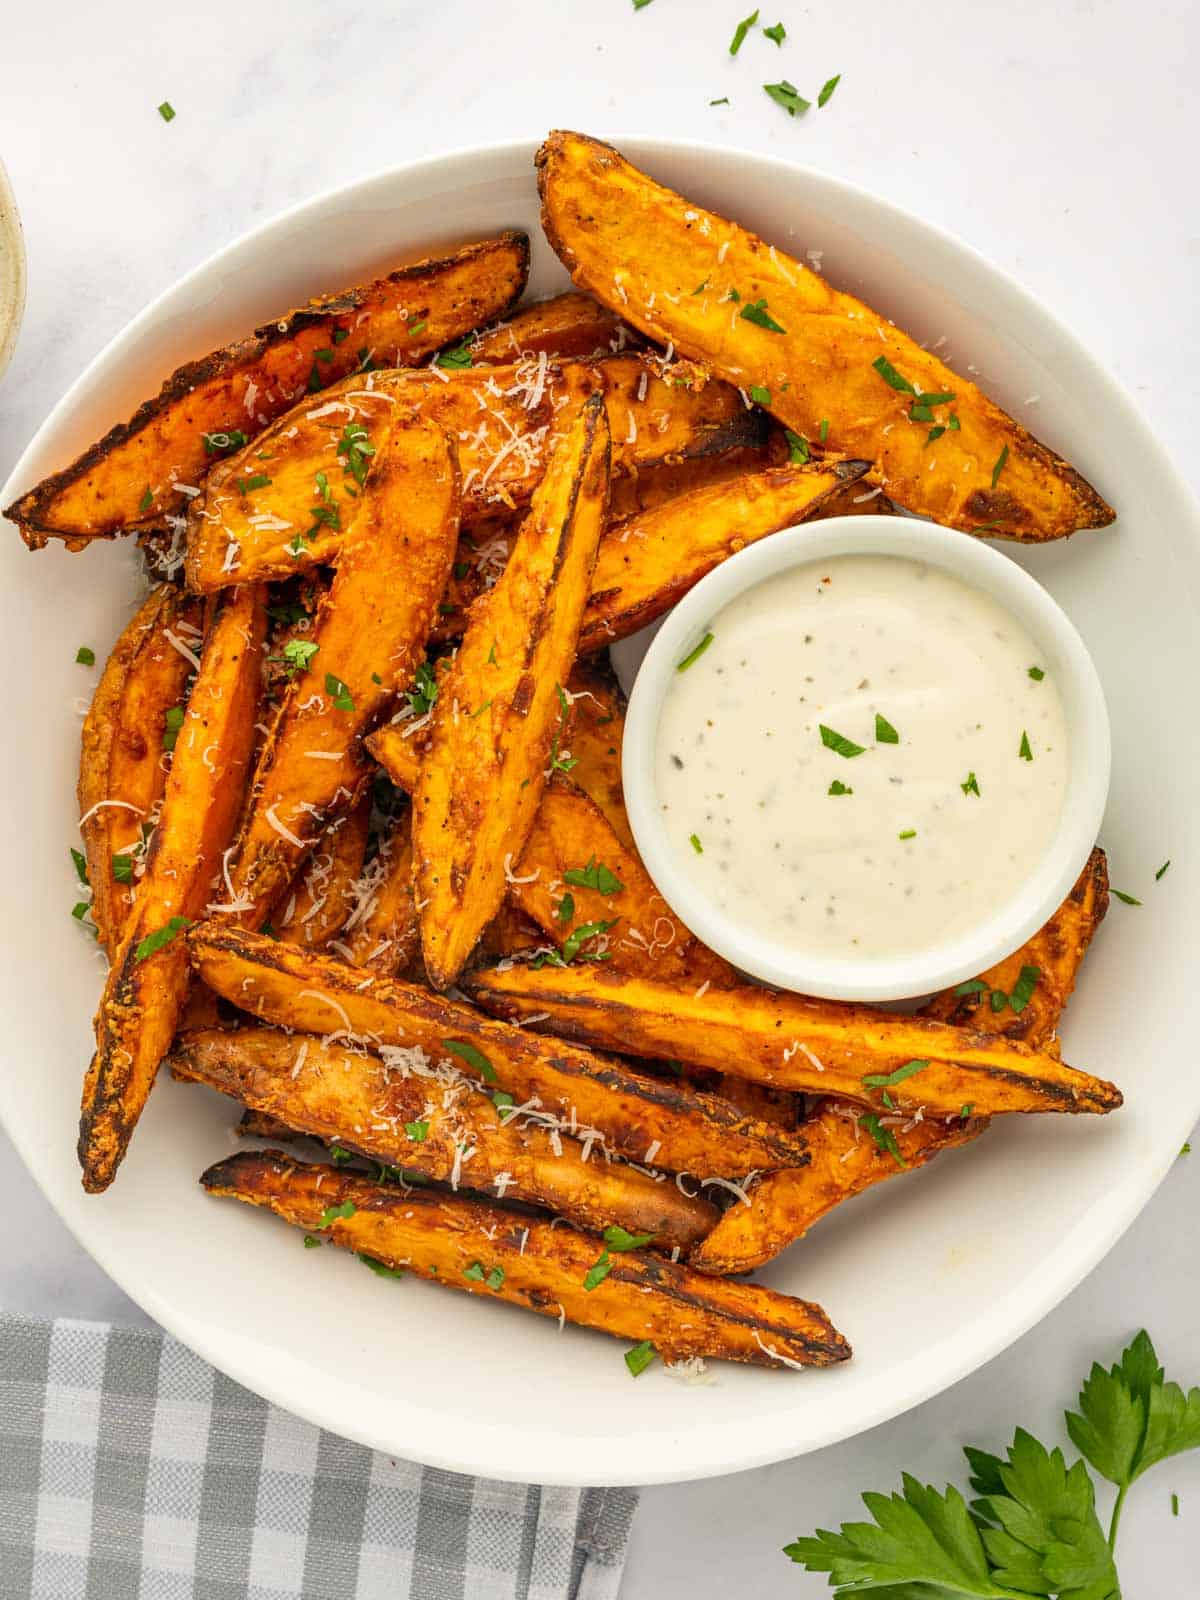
{"points": [[913, 856]]}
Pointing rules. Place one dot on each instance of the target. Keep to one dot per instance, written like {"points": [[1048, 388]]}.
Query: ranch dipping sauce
{"points": [[865, 759]]}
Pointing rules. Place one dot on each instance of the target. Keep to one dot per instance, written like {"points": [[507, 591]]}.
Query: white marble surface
{"points": [[1060, 141]]}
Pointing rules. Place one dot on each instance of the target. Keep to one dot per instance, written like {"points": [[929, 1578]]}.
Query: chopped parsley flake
{"points": [[909, 833], [565, 909], [970, 785], [797, 444], [701, 287], [584, 932], [823, 431], [723, 101], [456, 360], [298, 653], [1126, 899], [474, 1272], [167, 111], [122, 867], [971, 986], [639, 1358], [890, 376], [884, 1138], [220, 443], [778, 33], [889, 1080], [473, 1057], [424, 691], [694, 840], [379, 1268], [760, 396], [310, 1243], [884, 732], [172, 723], [786, 94], [740, 32], [999, 467], [827, 89], [160, 937], [495, 1278], [414, 328], [1022, 991], [694, 655], [332, 1214], [342, 698], [418, 1132], [1025, 753], [1036, 674], [594, 876], [756, 311], [80, 860], [146, 501], [839, 743], [85, 656], [597, 1273], [1162, 870], [355, 449], [837, 787]]}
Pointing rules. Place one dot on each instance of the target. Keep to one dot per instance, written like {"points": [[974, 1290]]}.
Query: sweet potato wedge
{"points": [[121, 770], [791, 1042], [369, 636], [148, 981], [646, 564], [575, 873], [382, 932], [591, 740], [320, 899], [132, 476], [846, 1160], [424, 1116], [506, 421], [723, 296], [549, 1269], [640, 1118], [493, 722], [565, 326]]}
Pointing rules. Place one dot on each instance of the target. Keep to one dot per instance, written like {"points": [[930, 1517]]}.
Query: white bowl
{"points": [[12, 270], [1033, 899], [928, 1276]]}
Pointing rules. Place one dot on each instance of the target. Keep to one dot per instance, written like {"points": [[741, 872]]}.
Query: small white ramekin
{"points": [[1033, 899]]}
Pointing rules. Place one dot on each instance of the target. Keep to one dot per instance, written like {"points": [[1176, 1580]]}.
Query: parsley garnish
{"points": [[756, 311], [473, 1057], [298, 654], [424, 691], [565, 909], [694, 655], [580, 935], [122, 867], [85, 656], [889, 1080], [890, 376], [220, 443], [823, 431], [414, 328], [379, 1268], [740, 32], [1162, 869], [1022, 991], [760, 396], [257, 480], [418, 1132], [999, 467], [694, 840], [160, 937], [172, 723], [798, 451], [971, 986], [1036, 674], [723, 101], [474, 1272], [594, 876], [884, 1138], [479, 710], [778, 33], [837, 787], [786, 94], [827, 89], [1025, 753], [456, 360], [560, 763], [310, 1243], [884, 732], [639, 1358], [342, 698], [80, 910], [909, 833], [970, 785], [700, 287], [167, 111], [504, 1103], [332, 1214], [1126, 899], [839, 742], [617, 1238], [640, 5], [495, 1278], [146, 501], [355, 449], [80, 860], [596, 1274]]}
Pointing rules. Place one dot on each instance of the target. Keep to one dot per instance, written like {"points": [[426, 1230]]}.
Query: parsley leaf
{"points": [[167, 111], [838, 787], [999, 467], [1158, 875], [355, 449], [298, 653], [473, 1057], [122, 867], [597, 1273], [839, 742], [891, 1079], [1036, 674], [756, 310], [80, 860], [1022, 991], [565, 909], [85, 656], [694, 840], [778, 33], [1130, 1418], [639, 1358], [694, 655], [379, 1268], [585, 931], [223, 441], [798, 451], [760, 396], [160, 937], [172, 722], [418, 1132], [884, 732], [786, 94], [617, 1238], [332, 1214], [594, 876], [971, 784], [890, 376], [884, 1138], [1126, 899], [1025, 753], [827, 89], [339, 693], [740, 32], [424, 691], [458, 359]]}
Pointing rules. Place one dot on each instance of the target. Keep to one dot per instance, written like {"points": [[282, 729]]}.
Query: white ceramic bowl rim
{"points": [[1034, 898], [650, 1440]]}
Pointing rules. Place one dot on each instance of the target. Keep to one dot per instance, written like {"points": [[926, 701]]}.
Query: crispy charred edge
{"points": [[600, 630], [29, 511], [984, 506], [574, 1028], [272, 1180], [790, 1148]]}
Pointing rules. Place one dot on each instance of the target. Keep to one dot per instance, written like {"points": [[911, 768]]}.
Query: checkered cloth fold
{"points": [[131, 1470]]}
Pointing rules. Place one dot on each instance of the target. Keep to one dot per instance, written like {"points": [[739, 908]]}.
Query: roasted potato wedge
{"points": [[382, 932], [320, 899], [121, 773], [791, 1042], [142, 470], [846, 1160], [591, 740], [640, 1118], [493, 722], [647, 490], [563, 327], [506, 421], [365, 644], [646, 564], [426, 1117], [545, 1268], [147, 983], [575, 873], [833, 366]]}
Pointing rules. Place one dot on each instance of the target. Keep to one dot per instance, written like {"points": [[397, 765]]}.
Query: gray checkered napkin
{"points": [[130, 1470]]}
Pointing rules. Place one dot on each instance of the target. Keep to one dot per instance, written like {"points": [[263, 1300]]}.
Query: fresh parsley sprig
{"points": [[1034, 1528]]}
